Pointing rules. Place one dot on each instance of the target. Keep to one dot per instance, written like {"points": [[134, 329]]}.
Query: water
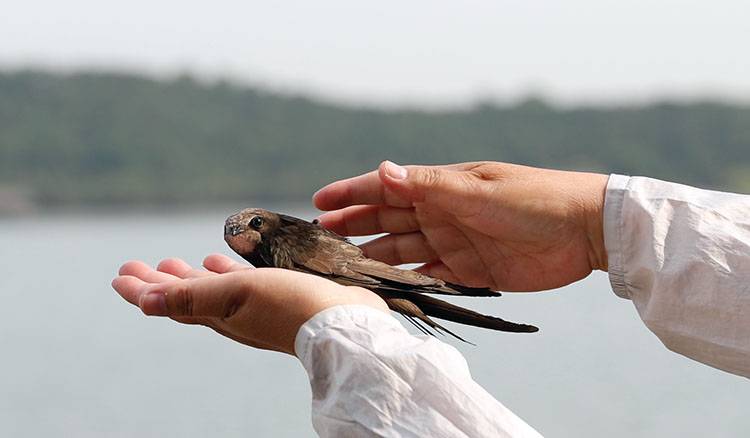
{"points": [[76, 360]]}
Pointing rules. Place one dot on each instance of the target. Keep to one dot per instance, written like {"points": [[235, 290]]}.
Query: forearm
{"points": [[370, 377], [682, 255]]}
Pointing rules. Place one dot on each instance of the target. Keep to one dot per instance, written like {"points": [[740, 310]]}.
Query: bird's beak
{"points": [[231, 230]]}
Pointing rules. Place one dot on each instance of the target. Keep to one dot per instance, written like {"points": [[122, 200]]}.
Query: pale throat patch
{"points": [[240, 244]]}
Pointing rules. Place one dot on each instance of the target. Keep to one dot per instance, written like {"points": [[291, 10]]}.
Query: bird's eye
{"points": [[256, 222]]}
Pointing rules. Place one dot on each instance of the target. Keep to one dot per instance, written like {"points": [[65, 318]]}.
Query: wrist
{"points": [[346, 318], [594, 223]]}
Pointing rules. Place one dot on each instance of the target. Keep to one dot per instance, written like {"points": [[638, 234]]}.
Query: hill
{"points": [[109, 138]]}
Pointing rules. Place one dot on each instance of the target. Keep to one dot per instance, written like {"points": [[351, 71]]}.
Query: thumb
{"points": [[217, 296], [433, 184]]}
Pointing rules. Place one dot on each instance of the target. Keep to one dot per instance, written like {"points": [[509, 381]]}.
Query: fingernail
{"points": [[395, 171], [154, 304]]}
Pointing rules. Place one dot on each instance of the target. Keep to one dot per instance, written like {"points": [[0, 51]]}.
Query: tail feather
{"points": [[419, 308], [450, 312], [417, 318], [446, 289], [451, 289]]}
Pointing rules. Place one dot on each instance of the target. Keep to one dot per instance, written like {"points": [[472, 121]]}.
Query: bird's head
{"points": [[243, 231]]}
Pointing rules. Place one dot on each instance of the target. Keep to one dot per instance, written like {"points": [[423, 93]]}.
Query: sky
{"points": [[394, 53]]}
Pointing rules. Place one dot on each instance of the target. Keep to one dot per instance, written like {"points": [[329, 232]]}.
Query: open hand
{"points": [[262, 308]]}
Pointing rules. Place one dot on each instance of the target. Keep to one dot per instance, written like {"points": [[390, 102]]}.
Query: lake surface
{"points": [[76, 360]]}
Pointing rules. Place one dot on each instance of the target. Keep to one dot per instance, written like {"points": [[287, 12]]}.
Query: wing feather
{"points": [[329, 254]]}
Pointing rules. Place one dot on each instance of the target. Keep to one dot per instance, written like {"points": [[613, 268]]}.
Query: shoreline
{"points": [[32, 210]]}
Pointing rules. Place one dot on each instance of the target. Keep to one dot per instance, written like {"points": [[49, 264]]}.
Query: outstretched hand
{"points": [[486, 224], [262, 308]]}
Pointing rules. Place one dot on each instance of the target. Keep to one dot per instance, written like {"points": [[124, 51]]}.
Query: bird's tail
{"points": [[422, 307]]}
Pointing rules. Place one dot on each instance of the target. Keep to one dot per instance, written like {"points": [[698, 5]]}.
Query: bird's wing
{"points": [[345, 263], [396, 277], [326, 253], [331, 257], [341, 259], [403, 279]]}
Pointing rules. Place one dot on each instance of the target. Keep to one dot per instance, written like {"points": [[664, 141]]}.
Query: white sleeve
{"points": [[370, 377], [682, 255]]}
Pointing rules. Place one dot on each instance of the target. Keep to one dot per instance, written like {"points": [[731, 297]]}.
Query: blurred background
{"points": [[132, 130]]}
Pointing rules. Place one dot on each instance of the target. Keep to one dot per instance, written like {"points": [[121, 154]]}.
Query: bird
{"points": [[268, 239]]}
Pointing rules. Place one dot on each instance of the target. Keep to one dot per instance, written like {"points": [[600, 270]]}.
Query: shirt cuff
{"points": [[342, 318], [617, 187]]}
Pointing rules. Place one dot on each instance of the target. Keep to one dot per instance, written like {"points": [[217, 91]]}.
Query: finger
{"points": [[198, 273], [366, 189], [397, 249], [222, 264], [443, 186], [222, 295], [377, 187], [438, 270], [215, 296], [363, 220], [362, 189], [174, 266], [145, 272], [179, 268], [129, 287]]}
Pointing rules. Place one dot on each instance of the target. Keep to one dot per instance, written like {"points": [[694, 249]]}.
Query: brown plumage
{"points": [[268, 239]]}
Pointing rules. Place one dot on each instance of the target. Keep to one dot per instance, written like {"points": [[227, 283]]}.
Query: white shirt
{"points": [[681, 254]]}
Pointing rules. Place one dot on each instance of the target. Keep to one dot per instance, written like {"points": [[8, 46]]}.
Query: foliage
{"points": [[108, 138]]}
